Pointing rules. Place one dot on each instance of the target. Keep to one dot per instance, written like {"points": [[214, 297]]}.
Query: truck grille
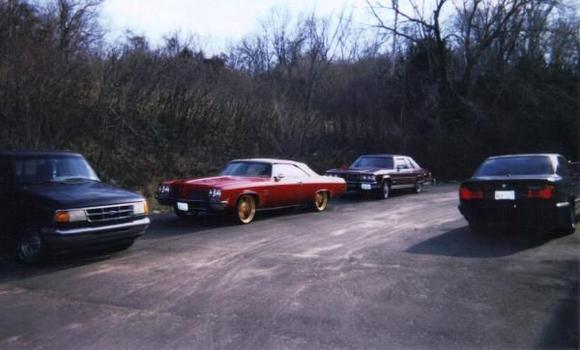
{"points": [[110, 213]]}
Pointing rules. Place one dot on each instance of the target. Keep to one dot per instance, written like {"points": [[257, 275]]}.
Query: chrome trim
{"points": [[562, 204], [140, 222], [104, 206]]}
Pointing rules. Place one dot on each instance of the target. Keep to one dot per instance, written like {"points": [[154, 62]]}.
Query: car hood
{"points": [[78, 195], [220, 181]]}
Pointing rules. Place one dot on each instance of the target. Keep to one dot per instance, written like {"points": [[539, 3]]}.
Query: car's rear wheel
{"points": [[30, 248], [246, 209], [385, 191], [418, 187], [569, 225], [320, 201]]}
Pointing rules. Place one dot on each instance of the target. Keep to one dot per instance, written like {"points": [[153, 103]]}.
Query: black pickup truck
{"points": [[54, 201], [533, 190]]}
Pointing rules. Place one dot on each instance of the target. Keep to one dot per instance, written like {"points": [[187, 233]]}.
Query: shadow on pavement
{"points": [[562, 331], [463, 242]]}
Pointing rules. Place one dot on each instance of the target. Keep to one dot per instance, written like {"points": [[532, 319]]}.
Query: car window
{"points": [[413, 163], [30, 171], [409, 163], [247, 169], [400, 163], [289, 171], [373, 162], [520, 165], [563, 168]]}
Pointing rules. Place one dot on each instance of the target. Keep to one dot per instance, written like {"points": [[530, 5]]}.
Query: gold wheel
{"points": [[320, 201], [246, 209]]}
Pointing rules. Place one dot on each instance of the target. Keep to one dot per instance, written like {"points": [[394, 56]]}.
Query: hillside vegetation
{"points": [[491, 77]]}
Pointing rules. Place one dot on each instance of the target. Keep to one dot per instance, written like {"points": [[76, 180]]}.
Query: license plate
{"points": [[182, 206], [505, 195], [365, 186]]}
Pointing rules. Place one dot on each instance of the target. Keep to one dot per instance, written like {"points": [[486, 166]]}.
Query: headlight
{"points": [[215, 193], [140, 208], [163, 189], [368, 177], [64, 216]]}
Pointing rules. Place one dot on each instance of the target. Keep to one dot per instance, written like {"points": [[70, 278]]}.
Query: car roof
{"points": [[382, 155], [28, 153], [551, 155], [268, 160]]}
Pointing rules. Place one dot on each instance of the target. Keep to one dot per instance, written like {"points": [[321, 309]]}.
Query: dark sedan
{"points": [[535, 190], [381, 173]]}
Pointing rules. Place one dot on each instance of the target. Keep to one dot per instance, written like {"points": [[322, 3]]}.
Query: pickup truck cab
{"points": [[54, 201]]}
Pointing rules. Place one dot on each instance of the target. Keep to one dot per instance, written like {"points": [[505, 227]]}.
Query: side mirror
{"points": [[399, 167], [279, 177]]}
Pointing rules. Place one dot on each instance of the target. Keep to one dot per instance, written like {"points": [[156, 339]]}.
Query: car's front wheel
{"points": [[384, 191], [320, 201], [30, 247], [246, 209]]}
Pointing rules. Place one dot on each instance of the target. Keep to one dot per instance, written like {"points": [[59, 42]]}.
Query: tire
{"points": [[569, 225], [418, 187], [30, 247], [320, 201], [385, 191], [245, 209]]}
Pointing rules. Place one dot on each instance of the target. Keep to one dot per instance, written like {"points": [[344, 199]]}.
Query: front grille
{"points": [[110, 213], [199, 195], [351, 177]]}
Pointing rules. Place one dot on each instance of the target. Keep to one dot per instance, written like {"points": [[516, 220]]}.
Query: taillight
{"points": [[469, 194], [546, 192]]}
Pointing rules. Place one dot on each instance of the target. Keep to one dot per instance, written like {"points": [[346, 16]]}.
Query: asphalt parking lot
{"points": [[405, 272]]}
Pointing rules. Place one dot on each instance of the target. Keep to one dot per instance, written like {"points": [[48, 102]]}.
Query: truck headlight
{"points": [[215, 193], [64, 216], [140, 208]]}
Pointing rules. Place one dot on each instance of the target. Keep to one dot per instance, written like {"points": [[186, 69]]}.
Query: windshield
{"points": [[373, 162], [32, 171], [247, 169], [532, 165]]}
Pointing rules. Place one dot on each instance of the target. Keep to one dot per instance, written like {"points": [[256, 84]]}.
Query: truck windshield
{"points": [[247, 169], [525, 165], [373, 162], [37, 170]]}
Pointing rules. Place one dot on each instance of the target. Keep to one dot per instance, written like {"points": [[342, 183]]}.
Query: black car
{"points": [[381, 173], [536, 190], [54, 201]]}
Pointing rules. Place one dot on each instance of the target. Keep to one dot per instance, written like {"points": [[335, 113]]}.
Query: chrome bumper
{"points": [[117, 227]]}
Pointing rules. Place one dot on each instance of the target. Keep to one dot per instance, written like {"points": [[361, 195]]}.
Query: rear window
{"points": [[532, 165]]}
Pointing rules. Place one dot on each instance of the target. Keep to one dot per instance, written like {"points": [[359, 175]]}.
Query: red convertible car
{"points": [[247, 185]]}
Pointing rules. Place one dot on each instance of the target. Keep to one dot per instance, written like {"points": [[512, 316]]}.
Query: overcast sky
{"points": [[216, 22]]}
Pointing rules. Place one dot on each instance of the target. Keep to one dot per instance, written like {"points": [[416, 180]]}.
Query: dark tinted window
{"points": [[36, 170], [527, 165], [247, 169], [373, 162]]}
